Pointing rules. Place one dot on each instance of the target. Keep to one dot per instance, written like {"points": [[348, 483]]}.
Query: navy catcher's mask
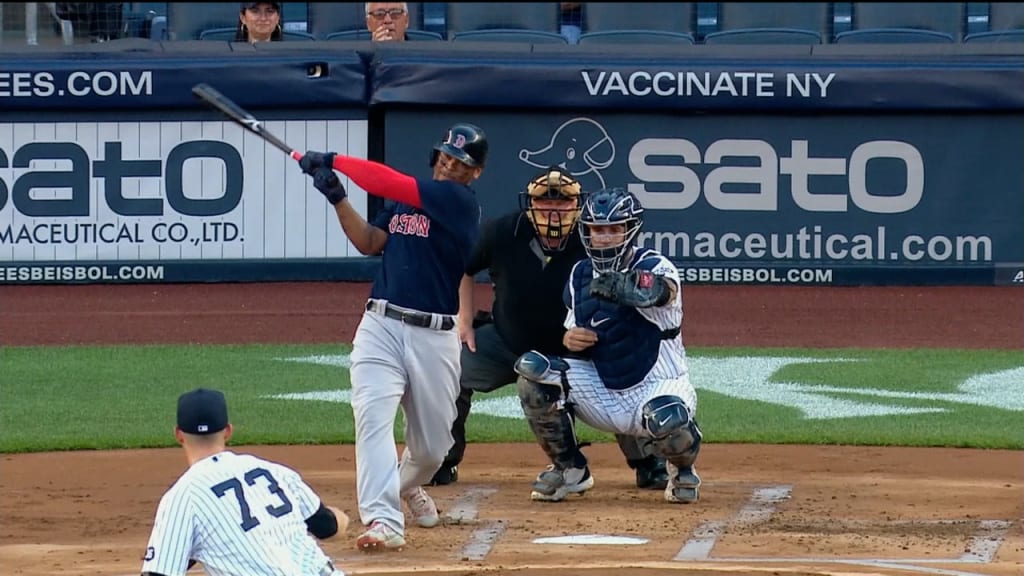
{"points": [[465, 142], [610, 250]]}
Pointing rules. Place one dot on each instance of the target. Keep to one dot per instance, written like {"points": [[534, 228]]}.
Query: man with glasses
{"points": [[387, 21]]}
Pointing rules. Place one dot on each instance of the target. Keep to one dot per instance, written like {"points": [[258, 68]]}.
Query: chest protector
{"points": [[627, 343]]}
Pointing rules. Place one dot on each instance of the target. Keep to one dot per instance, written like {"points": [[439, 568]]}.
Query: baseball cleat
{"points": [[444, 476], [684, 486], [379, 537], [553, 485], [651, 474], [424, 511]]}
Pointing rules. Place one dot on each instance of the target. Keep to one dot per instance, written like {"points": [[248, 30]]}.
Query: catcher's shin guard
{"points": [[541, 385], [676, 436]]}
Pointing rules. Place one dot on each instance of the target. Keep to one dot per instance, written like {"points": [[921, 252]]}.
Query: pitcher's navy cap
{"points": [[202, 411]]}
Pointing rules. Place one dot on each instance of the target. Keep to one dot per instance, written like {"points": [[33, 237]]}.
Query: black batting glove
{"points": [[312, 160], [327, 182]]}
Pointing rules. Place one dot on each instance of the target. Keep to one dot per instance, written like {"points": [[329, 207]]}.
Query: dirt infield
{"points": [[764, 509]]}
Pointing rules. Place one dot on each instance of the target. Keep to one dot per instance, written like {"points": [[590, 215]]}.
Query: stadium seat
{"points": [[228, 35], [669, 17], [764, 36], [636, 37], [893, 36], [772, 23], [470, 16], [364, 36], [994, 36], [187, 20], [510, 35], [1005, 24], [327, 18], [904, 22]]}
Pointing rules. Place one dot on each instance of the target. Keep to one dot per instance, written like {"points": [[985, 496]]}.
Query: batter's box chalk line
{"points": [[981, 549]]}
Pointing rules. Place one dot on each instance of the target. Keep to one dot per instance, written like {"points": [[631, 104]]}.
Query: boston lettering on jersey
{"points": [[439, 236]]}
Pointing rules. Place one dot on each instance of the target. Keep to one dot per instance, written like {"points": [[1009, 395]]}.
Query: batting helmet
{"points": [[610, 207], [554, 224], [465, 142]]}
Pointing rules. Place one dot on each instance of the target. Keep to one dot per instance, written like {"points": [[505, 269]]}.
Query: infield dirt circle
{"points": [[764, 508]]}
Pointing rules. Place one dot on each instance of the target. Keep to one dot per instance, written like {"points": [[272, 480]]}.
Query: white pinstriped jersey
{"points": [[620, 411], [672, 355], [238, 515]]}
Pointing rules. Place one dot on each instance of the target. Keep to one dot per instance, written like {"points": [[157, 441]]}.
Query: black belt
{"points": [[413, 317]]}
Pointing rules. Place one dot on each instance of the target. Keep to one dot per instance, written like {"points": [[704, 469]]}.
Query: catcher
{"points": [[626, 372], [529, 254]]}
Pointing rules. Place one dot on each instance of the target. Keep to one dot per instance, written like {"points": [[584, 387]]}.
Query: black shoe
{"points": [[450, 475], [651, 474]]}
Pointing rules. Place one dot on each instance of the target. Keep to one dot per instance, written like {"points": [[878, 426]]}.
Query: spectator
{"points": [[387, 21], [571, 21], [259, 22], [100, 21]]}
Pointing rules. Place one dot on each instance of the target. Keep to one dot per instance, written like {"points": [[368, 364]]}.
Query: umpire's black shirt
{"points": [[528, 308]]}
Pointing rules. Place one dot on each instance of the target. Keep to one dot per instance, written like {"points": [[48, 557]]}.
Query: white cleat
{"points": [[424, 511], [553, 485]]}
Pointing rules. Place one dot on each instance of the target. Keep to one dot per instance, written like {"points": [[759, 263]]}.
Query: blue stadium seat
{"points": [[668, 16], [1005, 24], [510, 35], [995, 36], [636, 37], [928, 18], [186, 20], [228, 35], [764, 36], [893, 36], [327, 18], [364, 36], [772, 23], [470, 16]]}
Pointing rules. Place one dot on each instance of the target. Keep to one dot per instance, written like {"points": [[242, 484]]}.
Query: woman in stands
{"points": [[259, 22]]}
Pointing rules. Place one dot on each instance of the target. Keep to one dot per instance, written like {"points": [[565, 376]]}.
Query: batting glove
{"points": [[326, 181], [312, 160]]}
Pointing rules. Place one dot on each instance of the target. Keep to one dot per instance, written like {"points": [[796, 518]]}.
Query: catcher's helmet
{"points": [[554, 224], [465, 142], [609, 207]]}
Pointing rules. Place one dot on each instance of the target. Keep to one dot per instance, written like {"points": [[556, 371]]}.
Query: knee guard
{"points": [[676, 436], [543, 389]]}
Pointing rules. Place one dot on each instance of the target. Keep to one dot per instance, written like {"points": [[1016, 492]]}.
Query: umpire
{"points": [[529, 253]]}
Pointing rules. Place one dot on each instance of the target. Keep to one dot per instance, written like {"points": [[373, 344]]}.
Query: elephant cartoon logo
{"points": [[581, 147]]}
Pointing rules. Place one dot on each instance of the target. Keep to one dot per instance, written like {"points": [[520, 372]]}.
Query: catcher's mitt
{"points": [[636, 288]]}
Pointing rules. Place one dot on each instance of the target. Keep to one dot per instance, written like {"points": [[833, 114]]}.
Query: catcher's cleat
{"points": [[379, 537], [684, 486], [444, 476], [553, 485], [422, 506], [651, 474]]}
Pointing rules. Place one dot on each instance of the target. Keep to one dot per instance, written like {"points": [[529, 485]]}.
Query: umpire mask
{"points": [[552, 203]]}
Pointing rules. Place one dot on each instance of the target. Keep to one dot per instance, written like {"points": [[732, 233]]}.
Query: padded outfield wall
{"points": [[840, 165]]}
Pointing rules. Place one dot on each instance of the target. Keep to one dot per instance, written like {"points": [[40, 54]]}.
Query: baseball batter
{"points": [[237, 514], [629, 375], [406, 348]]}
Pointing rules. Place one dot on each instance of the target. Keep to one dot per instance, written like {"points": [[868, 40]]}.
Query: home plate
{"points": [[588, 539]]}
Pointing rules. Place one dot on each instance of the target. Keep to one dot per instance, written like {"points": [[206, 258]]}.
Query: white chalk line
{"points": [[466, 510], [981, 549]]}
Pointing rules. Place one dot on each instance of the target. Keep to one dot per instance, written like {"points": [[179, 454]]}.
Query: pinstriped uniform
{"points": [[238, 515], [620, 411]]}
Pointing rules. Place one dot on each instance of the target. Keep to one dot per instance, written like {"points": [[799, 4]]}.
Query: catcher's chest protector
{"points": [[627, 343]]}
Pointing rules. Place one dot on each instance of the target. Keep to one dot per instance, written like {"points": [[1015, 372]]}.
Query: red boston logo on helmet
{"points": [[460, 141]]}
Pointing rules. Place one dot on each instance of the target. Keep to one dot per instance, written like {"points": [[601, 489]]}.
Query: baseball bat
{"points": [[239, 115]]}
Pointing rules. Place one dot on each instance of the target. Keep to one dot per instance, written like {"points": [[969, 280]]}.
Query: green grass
{"points": [[90, 397]]}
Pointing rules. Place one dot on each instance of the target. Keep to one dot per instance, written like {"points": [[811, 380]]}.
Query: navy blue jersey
{"points": [[428, 248]]}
